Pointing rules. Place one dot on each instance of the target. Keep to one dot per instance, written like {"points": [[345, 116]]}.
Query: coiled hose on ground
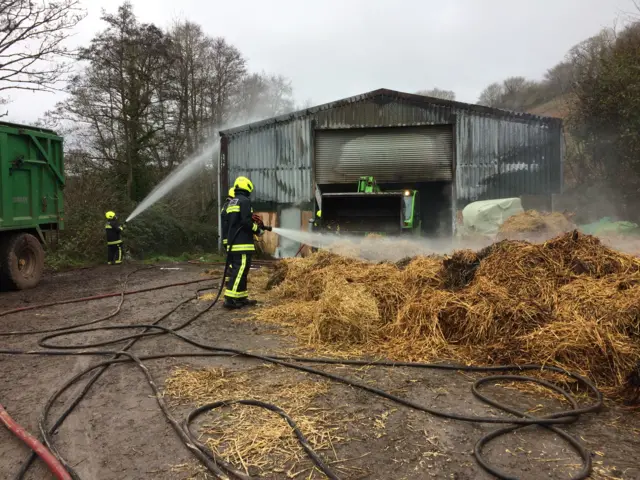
{"points": [[221, 469]]}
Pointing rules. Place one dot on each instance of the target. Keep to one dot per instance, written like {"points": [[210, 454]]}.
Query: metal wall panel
{"points": [[409, 154], [276, 159], [498, 158]]}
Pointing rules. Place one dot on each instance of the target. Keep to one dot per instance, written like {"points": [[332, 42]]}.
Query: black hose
{"points": [[78, 398], [223, 470], [557, 418], [267, 406]]}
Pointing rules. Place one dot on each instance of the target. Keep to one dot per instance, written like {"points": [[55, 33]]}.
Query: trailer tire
{"points": [[21, 261]]}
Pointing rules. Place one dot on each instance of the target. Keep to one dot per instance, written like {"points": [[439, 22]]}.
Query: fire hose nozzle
{"points": [[268, 228]]}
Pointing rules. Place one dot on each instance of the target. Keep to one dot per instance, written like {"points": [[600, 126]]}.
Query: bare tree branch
{"points": [[438, 93], [33, 35]]}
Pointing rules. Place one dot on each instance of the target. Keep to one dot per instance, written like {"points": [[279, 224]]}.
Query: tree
{"points": [[226, 69], [438, 93], [32, 42], [117, 98], [492, 95], [189, 113], [559, 79], [514, 93], [585, 56], [604, 116], [514, 85], [262, 96]]}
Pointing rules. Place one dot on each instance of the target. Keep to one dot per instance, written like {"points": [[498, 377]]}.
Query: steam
{"points": [[393, 249], [379, 249]]}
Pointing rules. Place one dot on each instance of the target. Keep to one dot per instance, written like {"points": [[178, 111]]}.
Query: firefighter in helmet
{"points": [[240, 244], [317, 224], [114, 238]]}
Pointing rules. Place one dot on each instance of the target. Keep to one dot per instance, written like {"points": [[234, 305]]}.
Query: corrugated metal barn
{"points": [[453, 153]]}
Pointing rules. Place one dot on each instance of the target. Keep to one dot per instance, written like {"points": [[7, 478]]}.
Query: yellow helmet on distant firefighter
{"points": [[110, 215], [319, 214], [231, 193], [243, 183]]}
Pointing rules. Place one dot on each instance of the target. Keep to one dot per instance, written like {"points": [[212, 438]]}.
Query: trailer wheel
{"points": [[21, 261]]}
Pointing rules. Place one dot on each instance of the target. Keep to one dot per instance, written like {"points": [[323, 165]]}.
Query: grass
{"points": [[185, 257], [56, 262]]}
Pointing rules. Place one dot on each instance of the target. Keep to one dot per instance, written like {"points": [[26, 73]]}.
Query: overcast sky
{"points": [[333, 49]]}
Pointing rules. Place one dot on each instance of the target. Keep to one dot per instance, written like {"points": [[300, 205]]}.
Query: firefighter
{"points": [[242, 228], [225, 221], [114, 239], [225, 227], [317, 223]]}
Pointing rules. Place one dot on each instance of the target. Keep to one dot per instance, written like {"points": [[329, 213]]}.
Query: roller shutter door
{"points": [[391, 155]]}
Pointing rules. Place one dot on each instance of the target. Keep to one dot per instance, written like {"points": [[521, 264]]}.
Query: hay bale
{"points": [[404, 262], [592, 348], [571, 301], [459, 269], [423, 272], [346, 313], [534, 225], [278, 275]]}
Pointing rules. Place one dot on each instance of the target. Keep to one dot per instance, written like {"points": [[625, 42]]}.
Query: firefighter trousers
{"points": [[229, 267], [239, 263], [114, 254]]}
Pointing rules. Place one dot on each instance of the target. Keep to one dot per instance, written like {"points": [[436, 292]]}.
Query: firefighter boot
{"points": [[246, 302], [232, 303]]}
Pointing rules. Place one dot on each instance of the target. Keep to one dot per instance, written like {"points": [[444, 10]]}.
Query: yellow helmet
{"points": [[319, 214], [232, 193], [110, 215], [243, 183]]}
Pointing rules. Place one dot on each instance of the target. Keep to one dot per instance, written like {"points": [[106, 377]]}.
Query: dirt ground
{"points": [[118, 432]]}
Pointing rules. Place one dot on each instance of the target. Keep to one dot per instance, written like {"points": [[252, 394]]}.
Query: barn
{"points": [[453, 153]]}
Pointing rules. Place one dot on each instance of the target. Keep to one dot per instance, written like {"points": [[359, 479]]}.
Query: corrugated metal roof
{"points": [[419, 100]]}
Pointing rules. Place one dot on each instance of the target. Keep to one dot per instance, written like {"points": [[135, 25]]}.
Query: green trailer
{"points": [[31, 201]]}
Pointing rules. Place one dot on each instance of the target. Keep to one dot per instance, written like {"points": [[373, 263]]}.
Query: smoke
{"points": [[379, 249], [393, 249]]}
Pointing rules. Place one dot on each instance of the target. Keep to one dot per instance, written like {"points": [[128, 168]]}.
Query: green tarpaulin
{"points": [[606, 226]]}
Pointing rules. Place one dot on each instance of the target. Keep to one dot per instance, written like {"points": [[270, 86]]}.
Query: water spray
{"points": [[183, 172]]}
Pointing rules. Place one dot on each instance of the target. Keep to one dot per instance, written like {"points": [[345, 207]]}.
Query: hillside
{"points": [[558, 107]]}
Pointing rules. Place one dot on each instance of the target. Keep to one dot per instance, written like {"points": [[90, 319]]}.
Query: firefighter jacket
{"points": [[239, 216], [224, 221], [114, 232]]}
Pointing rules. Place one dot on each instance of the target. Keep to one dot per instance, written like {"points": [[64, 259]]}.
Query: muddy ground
{"points": [[118, 432]]}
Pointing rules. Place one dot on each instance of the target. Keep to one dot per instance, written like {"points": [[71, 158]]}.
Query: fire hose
{"points": [[222, 470], [47, 457]]}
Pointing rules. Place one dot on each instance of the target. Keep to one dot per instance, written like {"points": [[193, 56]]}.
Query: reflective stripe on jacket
{"points": [[240, 221], [114, 232]]}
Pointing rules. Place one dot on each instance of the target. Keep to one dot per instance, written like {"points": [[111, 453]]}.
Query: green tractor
{"points": [[369, 210]]}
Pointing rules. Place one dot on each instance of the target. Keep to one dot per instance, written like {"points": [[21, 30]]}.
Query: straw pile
{"points": [[255, 440], [534, 225], [571, 302]]}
